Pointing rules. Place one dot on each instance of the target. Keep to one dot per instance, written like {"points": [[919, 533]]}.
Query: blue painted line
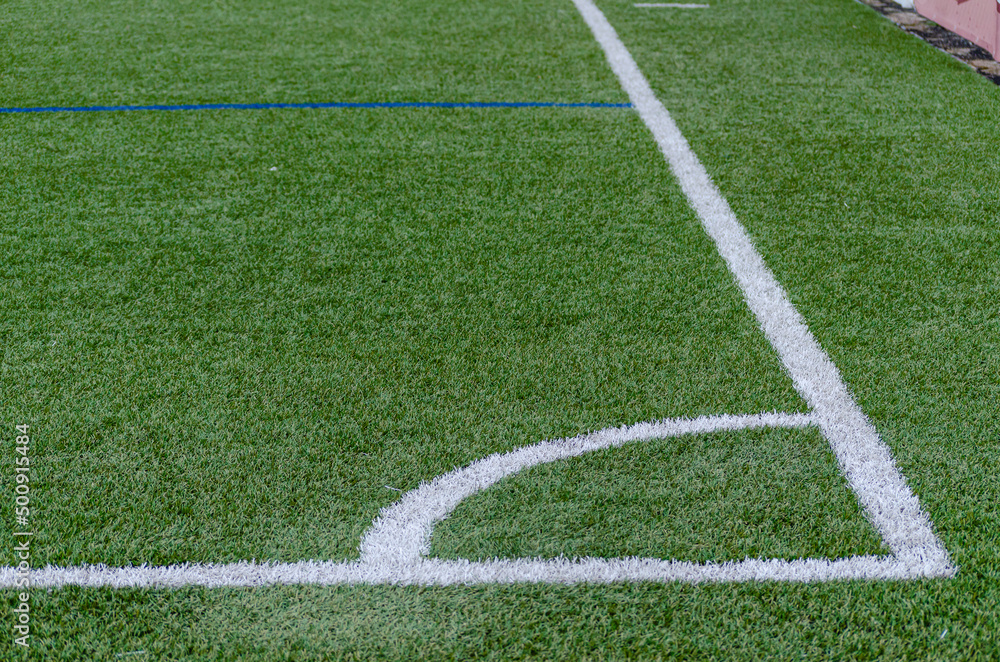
{"points": [[267, 106]]}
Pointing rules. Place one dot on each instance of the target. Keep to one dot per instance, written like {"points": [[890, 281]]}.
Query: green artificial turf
{"points": [[94, 52], [225, 362], [221, 361], [723, 496], [851, 620]]}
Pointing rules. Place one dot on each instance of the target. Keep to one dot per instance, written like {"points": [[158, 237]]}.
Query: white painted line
{"points": [[669, 5], [393, 550], [865, 460], [435, 572], [401, 535]]}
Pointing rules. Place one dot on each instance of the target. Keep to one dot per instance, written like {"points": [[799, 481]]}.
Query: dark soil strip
{"points": [[939, 37]]}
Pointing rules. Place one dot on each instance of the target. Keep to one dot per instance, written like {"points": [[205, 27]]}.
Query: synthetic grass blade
{"points": [[863, 456]]}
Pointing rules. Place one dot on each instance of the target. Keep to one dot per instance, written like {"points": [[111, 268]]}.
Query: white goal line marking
{"points": [[394, 549]]}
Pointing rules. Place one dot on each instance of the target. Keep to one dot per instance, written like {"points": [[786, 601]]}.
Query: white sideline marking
{"points": [[670, 5], [393, 550], [865, 460]]}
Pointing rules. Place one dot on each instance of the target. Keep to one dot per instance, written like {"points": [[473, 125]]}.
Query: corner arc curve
{"points": [[400, 535]]}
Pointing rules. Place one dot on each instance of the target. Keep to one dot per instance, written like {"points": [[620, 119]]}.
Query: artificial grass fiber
{"points": [[238, 334], [668, 499], [266, 351]]}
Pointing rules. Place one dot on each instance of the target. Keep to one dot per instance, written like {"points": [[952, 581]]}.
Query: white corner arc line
{"points": [[401, 535], [862, 455], [393, 548]]}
